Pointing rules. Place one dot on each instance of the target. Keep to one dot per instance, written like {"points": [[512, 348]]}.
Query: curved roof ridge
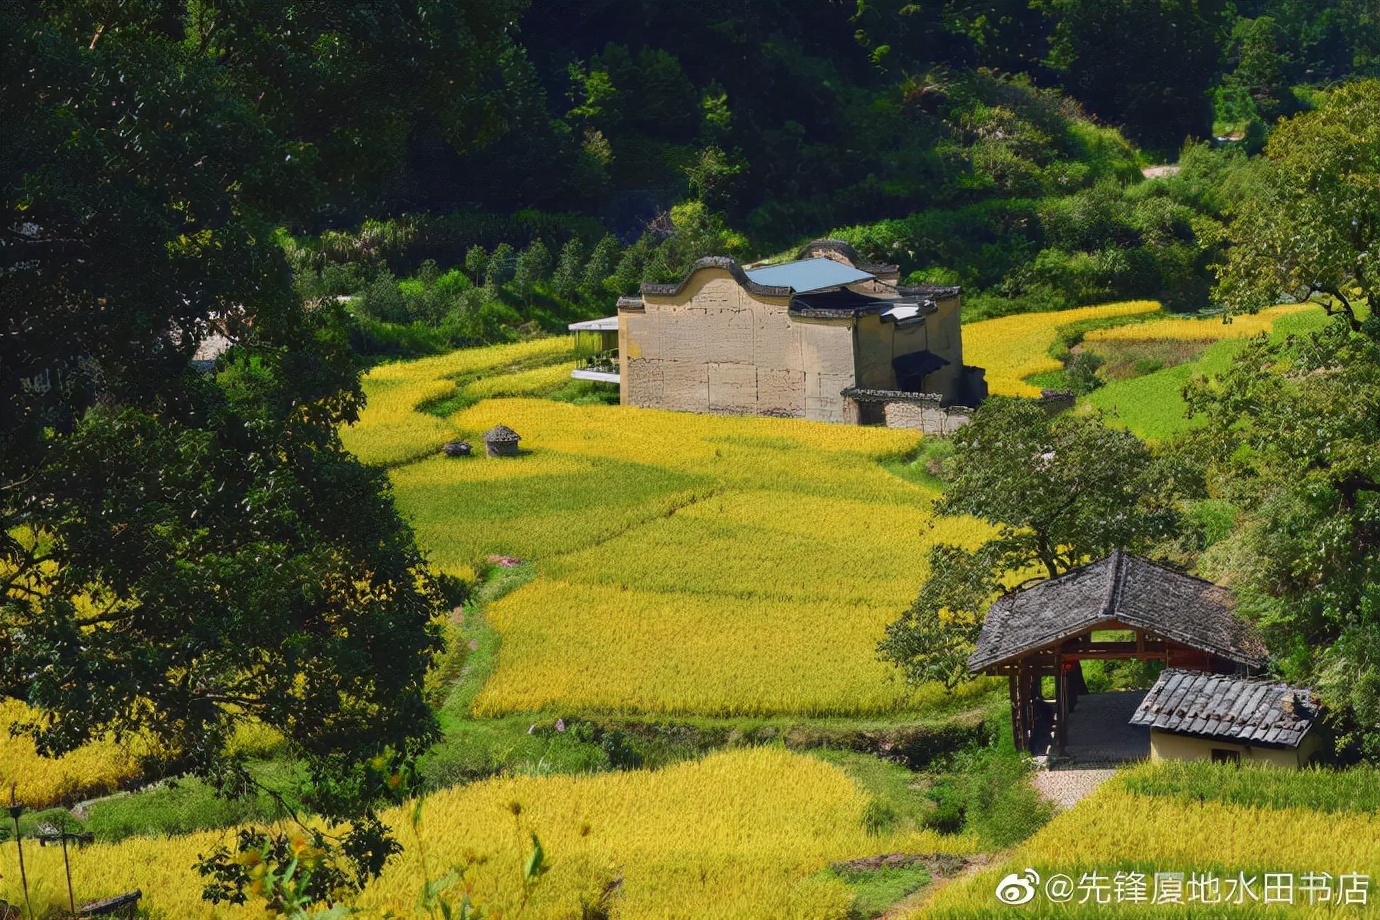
{"points": [[726, 263], [845, 249]]}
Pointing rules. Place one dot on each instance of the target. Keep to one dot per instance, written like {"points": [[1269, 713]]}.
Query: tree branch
{"points": [[1347, 309], [1353, 483]]}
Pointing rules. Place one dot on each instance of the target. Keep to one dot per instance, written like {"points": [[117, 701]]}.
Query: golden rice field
{"points": [[690, 564], [1013, 348], [391, 430], [1208, 329], [1115, 830], [95, 769], [742, 834]]}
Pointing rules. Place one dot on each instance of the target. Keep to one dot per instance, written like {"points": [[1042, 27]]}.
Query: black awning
{"points": [[917, 364]]}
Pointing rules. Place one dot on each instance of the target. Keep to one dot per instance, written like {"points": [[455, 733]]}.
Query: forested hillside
{"points": [[998, 145]]}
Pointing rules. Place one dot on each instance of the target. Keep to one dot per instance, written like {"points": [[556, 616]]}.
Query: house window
{"points": [[871, 413], [1222, 755]]}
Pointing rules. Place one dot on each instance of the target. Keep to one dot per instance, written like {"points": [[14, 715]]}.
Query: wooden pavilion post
{"points": [[1061, 705], [1014, 688]]}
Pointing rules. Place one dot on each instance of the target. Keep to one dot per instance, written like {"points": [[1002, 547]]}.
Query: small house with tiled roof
{"points": [[796, 339], [1228, 718]]}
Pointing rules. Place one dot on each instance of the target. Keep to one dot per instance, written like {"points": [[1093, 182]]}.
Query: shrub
{"points": [[383, 300], [1081, 370], [1001, 805]]}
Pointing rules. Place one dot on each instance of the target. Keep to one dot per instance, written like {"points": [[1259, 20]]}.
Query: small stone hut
{"points": [[501, 441], [1228, 718]]}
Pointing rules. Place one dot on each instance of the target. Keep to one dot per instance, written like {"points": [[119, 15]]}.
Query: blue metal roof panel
{"points": [[808, 275]]}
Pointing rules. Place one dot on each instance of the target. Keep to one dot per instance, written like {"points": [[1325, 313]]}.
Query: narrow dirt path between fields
{"points": [[1067, 787]]}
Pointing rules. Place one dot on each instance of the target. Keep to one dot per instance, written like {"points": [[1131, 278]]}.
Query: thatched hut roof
{"points": [[1121, 588], [500, 434]]}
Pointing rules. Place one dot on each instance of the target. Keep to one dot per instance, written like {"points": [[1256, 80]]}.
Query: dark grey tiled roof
{"points": [[864, 394], [936, 291], [1120, 587], [840, 304], [1256, 710], [500, 433]]}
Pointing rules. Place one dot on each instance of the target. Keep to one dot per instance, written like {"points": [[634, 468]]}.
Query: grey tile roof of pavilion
{"points": [[1123, 588], [1255, 710]]}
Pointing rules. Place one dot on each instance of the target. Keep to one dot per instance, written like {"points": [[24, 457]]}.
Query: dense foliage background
{"points": [[998, 145]]}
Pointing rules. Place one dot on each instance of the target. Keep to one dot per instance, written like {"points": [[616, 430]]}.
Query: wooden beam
{"points": [[1129, 653]]}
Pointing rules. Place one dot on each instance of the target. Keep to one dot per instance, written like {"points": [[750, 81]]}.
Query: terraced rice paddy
{"points": [[1152, 405], [744, 834], [689, 564], [1013, 348], [96, 769]]}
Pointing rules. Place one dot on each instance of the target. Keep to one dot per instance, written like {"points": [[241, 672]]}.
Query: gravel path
{"points": [[1067, 787]]}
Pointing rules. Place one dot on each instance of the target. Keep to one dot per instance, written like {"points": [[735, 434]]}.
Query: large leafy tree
{"points": [[1059, 491], [1293, 441], [1311, 222], [1293, 437], [182, 552]]}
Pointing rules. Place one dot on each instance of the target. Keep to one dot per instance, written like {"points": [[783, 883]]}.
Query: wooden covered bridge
{"points": [[1118, 607]]}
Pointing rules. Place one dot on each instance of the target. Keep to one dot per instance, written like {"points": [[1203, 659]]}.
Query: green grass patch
{"points": [[181, 805], [1152, 406], [876, 890], [1354, 790], [586, 393], [898, 795], [924, 466]]}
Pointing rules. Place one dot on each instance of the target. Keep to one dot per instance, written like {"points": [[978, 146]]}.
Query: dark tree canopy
{"points": [[184, 551], [1147, 64], [1293, 442], [1311, 222]]}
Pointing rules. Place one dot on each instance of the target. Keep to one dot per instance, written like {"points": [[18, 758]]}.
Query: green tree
{"points": [[566, 279], [602, 262], [501, 265], [695, 232], [533, 267], [1293, 441], [1060, 490], [1260, 67], [476, 263], [184, 552], [712, 177], [1310, 223]]}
